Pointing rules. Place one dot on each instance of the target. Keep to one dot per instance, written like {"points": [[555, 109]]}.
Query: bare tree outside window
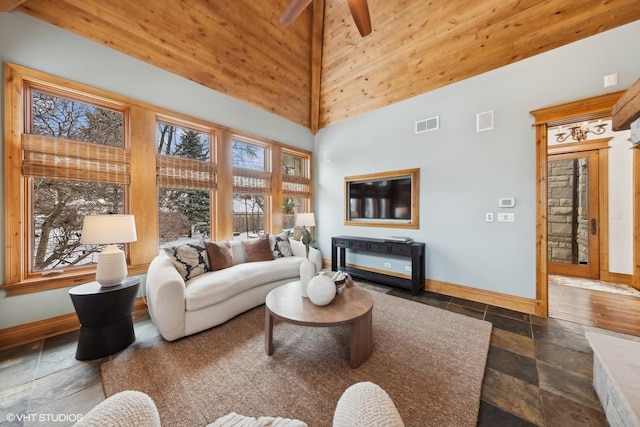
{"points": [[249, 205], [248, 156], [59, 205], [185, 213]]}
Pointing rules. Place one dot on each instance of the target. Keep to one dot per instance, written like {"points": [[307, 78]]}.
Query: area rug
{"points": [[430, 361]]}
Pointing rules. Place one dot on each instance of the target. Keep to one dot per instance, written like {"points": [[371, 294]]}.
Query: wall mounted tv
{"points": [[387, 199]]}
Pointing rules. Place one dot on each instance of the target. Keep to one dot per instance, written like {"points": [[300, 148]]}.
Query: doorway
{"points": [[586, 251], [573, 215]]}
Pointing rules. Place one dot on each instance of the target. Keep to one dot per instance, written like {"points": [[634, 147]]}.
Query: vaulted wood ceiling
{"points": [[319, 71]]}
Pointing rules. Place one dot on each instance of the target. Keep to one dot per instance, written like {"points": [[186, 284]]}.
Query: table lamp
{"points": [[305, 220], [109, 230]]}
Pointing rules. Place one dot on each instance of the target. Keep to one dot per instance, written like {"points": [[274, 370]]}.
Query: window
{"points": [[74, 164], [186, 179], [72, 150], [251, 189], [296, 187]]}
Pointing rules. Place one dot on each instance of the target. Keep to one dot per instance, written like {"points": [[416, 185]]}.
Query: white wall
{"points": [[620, 204], [35, 44], [464, 173]]}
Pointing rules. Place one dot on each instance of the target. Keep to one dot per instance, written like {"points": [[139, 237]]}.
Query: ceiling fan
{"points": [[359, 10]]}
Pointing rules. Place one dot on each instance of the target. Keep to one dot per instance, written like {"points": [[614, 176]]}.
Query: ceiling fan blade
{"points": [[294, 9], [360, 12]]}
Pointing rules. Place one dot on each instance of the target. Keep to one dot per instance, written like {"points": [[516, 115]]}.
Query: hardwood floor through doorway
{"points": [[606, 310]]}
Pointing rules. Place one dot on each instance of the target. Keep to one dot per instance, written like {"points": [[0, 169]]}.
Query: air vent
{"points": [[432, 123], [484, 121]]}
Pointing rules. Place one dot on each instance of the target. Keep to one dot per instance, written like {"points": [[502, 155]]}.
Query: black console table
{"points": [[414, 250]]}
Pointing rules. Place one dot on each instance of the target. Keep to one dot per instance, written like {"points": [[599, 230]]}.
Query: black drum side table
{"points": [[105, 317]]}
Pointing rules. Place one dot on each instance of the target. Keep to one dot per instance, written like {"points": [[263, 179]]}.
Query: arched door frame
{"points": [[564, 114]]}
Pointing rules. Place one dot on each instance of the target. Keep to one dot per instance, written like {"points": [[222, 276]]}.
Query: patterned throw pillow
{"points": [[258, 249], [280, 246], [190, 259]]}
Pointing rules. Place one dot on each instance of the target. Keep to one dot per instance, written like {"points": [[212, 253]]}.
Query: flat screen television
{"points": [[383, 199]]}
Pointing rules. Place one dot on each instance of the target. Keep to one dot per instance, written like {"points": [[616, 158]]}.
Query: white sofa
{"points": [[180, 308]]}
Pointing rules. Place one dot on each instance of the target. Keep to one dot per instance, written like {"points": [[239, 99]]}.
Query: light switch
{"points": [[506, 217]]}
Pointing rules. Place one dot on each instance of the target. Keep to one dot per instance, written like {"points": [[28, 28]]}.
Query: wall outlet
{"points": [[387, 265], [407, 269], [488, 216]]}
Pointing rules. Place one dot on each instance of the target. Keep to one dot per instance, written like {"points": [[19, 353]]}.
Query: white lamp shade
{"points": [[108, 229], [305, 219]]}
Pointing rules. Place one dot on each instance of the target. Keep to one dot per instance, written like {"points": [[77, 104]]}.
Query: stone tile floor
{"points": [[539, 371]]}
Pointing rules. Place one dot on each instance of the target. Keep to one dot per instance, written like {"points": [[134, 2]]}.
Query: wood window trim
{"points": [[280, 181], [20, 82], [140, 127]]}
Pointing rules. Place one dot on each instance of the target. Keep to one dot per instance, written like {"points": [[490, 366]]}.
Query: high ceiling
{"points": [[319, 70]]}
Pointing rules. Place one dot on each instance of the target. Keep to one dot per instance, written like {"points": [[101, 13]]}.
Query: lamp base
{"points": [[112, 267]]}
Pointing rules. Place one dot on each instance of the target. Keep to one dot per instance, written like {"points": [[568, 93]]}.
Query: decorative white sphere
{"points": [[321, 289]]}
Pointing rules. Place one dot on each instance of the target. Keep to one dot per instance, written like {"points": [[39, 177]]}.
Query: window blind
{"points": [[59, 158], [180, 172], [295, 186], [251, 181]]}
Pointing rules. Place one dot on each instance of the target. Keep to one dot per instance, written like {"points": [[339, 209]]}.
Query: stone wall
{"points": [[568, 217]]}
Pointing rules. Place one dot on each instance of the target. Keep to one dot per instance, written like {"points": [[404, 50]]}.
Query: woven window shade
{"points": [[251, 181], [296, 186], [59, 158], [180, 172]]}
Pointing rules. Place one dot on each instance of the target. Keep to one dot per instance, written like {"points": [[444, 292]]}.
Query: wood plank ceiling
{"points": [[319, 71]]}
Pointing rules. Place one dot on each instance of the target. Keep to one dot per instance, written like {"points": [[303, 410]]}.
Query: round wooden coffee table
{"points": [[354, 306]]}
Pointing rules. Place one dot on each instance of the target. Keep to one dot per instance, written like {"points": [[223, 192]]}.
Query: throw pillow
{"points": [[258, 249], [190, 259], [280, 246], [220, 255]]}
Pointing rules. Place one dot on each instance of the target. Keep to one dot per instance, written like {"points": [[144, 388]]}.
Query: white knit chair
{"points": [[125, 409], [365, 404]]}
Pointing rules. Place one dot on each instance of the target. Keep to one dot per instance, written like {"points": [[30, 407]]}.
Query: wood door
{"points": [[573, 220]]}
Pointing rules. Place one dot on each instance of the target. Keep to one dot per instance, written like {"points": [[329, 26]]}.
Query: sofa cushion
{"points": [[280, 246], [217, 286], [190, 259], [258, 249], [220, 255]]}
